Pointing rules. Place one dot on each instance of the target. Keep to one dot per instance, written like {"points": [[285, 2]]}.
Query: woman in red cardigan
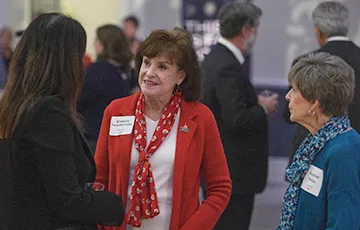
{"points": [[153, 146]]}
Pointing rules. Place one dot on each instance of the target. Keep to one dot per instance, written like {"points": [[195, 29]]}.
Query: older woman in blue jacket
{"points": [[324, 189]]}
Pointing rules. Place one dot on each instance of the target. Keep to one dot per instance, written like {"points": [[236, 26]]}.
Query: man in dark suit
{"points": [[241, 115], [331, 20]]}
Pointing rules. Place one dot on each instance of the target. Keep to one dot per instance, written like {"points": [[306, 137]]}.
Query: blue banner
{"points": [[200, 18]]}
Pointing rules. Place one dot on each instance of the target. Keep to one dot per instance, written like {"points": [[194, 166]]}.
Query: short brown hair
{"points": [[326, 78], [178, 47]]}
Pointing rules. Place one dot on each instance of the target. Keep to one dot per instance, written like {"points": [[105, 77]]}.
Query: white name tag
{"points": [[313, 181], [121, 125]]}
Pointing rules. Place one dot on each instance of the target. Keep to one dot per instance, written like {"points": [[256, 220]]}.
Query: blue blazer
{"points": [[338, 204]]}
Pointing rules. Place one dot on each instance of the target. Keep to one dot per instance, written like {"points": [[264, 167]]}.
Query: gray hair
{"points": [[332, 18], [233, 16], [326, 78]]}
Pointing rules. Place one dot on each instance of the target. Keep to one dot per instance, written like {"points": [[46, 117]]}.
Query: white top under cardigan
{"points": [[162, 166]]}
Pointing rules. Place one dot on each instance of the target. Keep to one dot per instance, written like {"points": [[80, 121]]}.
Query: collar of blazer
{"points": [[186, 129]]}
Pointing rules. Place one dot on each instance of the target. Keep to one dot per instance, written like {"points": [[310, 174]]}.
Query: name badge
{"points": [[313, 181], [121, 125]]}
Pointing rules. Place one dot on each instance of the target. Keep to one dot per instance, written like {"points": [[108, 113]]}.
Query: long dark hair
{"points": [[116, 45], [46, 62]]}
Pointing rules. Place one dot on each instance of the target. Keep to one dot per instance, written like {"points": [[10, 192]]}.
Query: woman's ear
{"points": [[315, 106], [181, 77]]}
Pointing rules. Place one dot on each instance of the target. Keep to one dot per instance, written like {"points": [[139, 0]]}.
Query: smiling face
{"points": [[158, 77]]}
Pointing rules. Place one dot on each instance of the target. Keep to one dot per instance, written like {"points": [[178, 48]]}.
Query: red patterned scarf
{"points": [[143, 198]]}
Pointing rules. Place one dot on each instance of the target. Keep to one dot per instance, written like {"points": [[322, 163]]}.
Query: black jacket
{"points": [[350, 53], [51, 164], [242, 123]]}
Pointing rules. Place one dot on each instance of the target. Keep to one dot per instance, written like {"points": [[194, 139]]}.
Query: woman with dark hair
{"points": [[154, 145], [109, 78], [45, 161]]}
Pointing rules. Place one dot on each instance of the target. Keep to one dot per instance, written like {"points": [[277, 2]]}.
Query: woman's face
{"points": [[99, 47], [158, 77], [300, 108]]}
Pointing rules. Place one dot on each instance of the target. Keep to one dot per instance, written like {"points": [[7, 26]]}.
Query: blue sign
{"points": [[200, 18]]}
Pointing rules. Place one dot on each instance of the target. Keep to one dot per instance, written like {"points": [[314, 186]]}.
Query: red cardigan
{"points": [[198, 150]]}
